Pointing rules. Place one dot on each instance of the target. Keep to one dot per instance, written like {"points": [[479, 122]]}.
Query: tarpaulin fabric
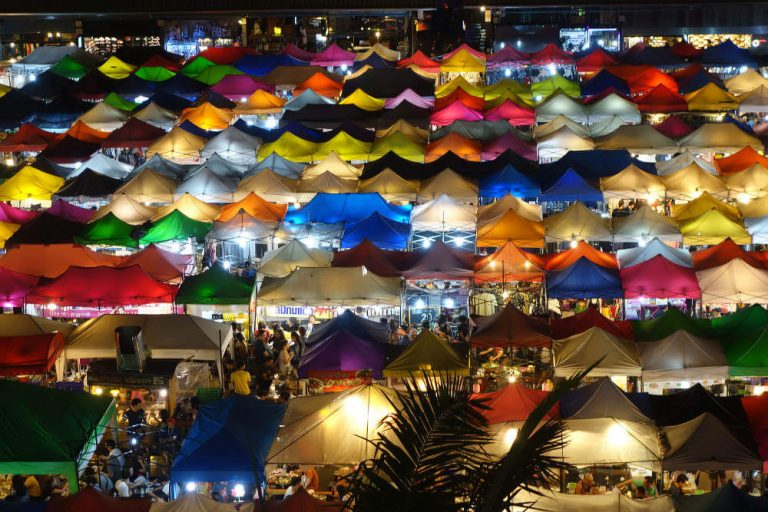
{"points": [[29, 355], [295, 254], [334, 165], [713, 227], [600, 399], [594, 60], [13, 215], [69, 68], [114, 100], [421, 60], [441, 262], [332, 208], [277, 164], [613, 106], [207, 117], [135, 133], [512, 227], [556, 85], [559, 104], [14, 287], [673, 128], [734, 282], [659, 277], [427, 353], [722, 499], [102, 287], [449, 183], [399, 144], [156, 115], [644, 225], [638, 139], [719, 138], [149, 187], [45, 229], [463, 97], [711, 98], [682, 356], [162, 265], [514, 113], [655, 247], [70, 150], [177, 144], [6, 230], [462, 147], [116, 68], [577, 223], [260, 102], [726, 54], [379, 230], [385, 263], [254, 206], [212, 75], [237, 87], [463, 61], [671, 321], [175, 226], [89, 184], [229, 441], [565, 327], [390, 83], [343, 351], [206, 185], [632, 182], [215, 286], [661, 99], [703, 204], [154, 73], [360, 327], [752, 181], [51, 261], [508, 263], [561, 260], [511, 327], [195, 502], [616, 356], [744, 322], [108, 230], [192, 207], [693, 181], [28, 138], [332, 56], [602, 82], [747, 353], [740, 160], [506, 57], [510, 181], [551, 54], [320, 84], [453, 112], [513, 402], [723, 253], [584, 280], [30, 184], [258, 65]]}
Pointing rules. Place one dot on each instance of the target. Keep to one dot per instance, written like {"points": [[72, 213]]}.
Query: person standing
{"points": [[241, 381], [136, 418], [34, 491], [115, 460]]}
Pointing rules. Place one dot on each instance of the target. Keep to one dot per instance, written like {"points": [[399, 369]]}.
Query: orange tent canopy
{"points": [[53, 260], [742, 159], [643, 78], [511, 228], [254, 206], [459, 94], [722, 253], [85, 133], [565, 259], [466, 149], [321, 84], [508, 263]]}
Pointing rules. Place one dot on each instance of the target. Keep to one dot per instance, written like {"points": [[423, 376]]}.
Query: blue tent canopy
{"points": [[335, 208], [266, 135], [374, 60], [279, 165], [742, 126], [383, 232], [17, 109], [571, 187], [60, 113], [603, 81], [509, 180], [596, 163], [182, 85], [262, 64], [134, 86], [584, 280], [353, 324], [727, 54], [697, 81], [167, 101], [189, 126], [229, 441]]}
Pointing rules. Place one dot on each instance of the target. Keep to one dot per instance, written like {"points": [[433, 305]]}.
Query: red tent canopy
{"points": [[661, 99], [161, 265], [564, 259], [226, 54], [420, 60], [28, 138], [297, 53], [135, 133], [551, 54], [659, 277], [514, 402], [565, 327], [722, 253], [442, 262], [643, 78], [158, 61], [673, 128], [456, 111], [375, 259], [14, 287], [511, 327], [595, 60], [29, 355], [466, 48], [102, 287], [756, 408], [506, 57], [459, 94], [740, 160], [517, 115], [685, 50], [91, 500], [682, 75]]}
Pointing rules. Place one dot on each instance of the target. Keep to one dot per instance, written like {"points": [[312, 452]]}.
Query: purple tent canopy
{"points": [[409, 96], [71, 212], [237, 87], [15, 215], [346, 352], [297, 53], [509, 141], [332, 56]]}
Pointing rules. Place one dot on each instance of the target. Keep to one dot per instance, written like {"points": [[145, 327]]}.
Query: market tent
{"points": [[381, 231], [513, 402], [733, 282], [691, 182], [22, 325], [116, 68], [744, 322], [671, 321], [683, 160], [29, 355], [723, 253], [726, 54], [344, 145], [390, 186], [742, 159], [207, 116], [268, 185], [511, 327], [673, 128], [345, 352], [427, 353], [333, 164], [570, 186], [508, 263], [748, 184], [755, 101], [644, 225], [46, 228], [605, 127], [594, 60], [108, 230], [232, 145], [175, 226], [546, 88], [514, 113], [104, 117], [711, 98], [363, 100], [604, 83], [456, 111], [703, 204], [69, 211], [162, 265], [610, 441], [541, 131], [399, 144], [510, 227], [449, 183], [349, 322], [30, 184], [420, 60], [655, 247], [705, 443], [52, 260], [577, 222], [318, 83], [462, 60], [453, 143], [682, 356], [722, 499], [747, 353], [238, 87], [719, 138], [229, 441], [126, 209], [333, 428], [319, 287], [156, 115], [69, 68], [641, 139], [551, 54], [563, 259], [617, 356], [561, 141], [659, 277], [333, 56], [254, 206], [191, 502], [260, 102], [14, 287], [584, 280], [212, 75], [333, 208], [441, 261], [509, 181], [89, 186], [444, 214], [745, 82], [632, 183], [560, 104], [611, 106], [190, 206], [52, 432], [600, 399], [295, 254], [28, 138], [178, 144], [135, 133], [6, 231], [713, 227], [277, 164], [406, 129], [207, 186], [154, 73], [591, 317], [215, 286], [660, 99]]}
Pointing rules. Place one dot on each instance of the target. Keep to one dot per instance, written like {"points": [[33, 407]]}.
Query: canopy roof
{"points": [[580, 351], [508, 263], [29, 355], [511, 227], [175, 226], [348, 322], [135, 133], [671, 321], [427, 353], [260, 102], [383, 232], [108, 230], [584, 279], [229, 441], [553, 85], [560, 104], [722, 499], [632, 182], [512, 327], [215, 286], [711, 98], [162, 265], [513, 402], [631, 257], [659, 277], [191, 207], [639, 139], [440, 261], [30, 184], [723, 253], [237, 87], [208, 187], [233, 145], [14, 287], [747, 353], [281, 262], [22, 325], [581, 322], [740, 160], [645, 224], [735, 282], [713, 227], [268, 185], [691, 182], [600, 399], [191, 502], [343, 351], [682, 356], [673, 128], [51, 261], [116, 68], [660, 99], [104, 117], [126, 209], [177, 144], [563, 259], [462, 61], [333, 208], [742, 323], [570, 186], [28, 138], [89, 184], [720, 138], [577, 222], [420, 60]]}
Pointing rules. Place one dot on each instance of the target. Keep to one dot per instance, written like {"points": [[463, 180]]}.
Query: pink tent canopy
{"points": [[506, 57], [14, 215], [673, 128], [237, 87], [14, 288], [71, 212], [551, 54], [297, 53], [420, 60], [467, 48], [659, 277], [517, 115], [409, 96], [509, 141], [456, 111], [334, 55]]}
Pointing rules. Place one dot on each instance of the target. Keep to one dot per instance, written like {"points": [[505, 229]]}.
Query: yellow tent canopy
{"points": [[391, 186], [358, 73], [701, 205], [346, 146], [711, 98], [756, 208], [644, 224], [327, 183], [4, 89], [505, 87], [577, 222], [334, 165], [399, 144], [363, 100], [268, 185], [178, 144], [6, 230], [450, 183], [403, 127], [380, 50], [542, 90], [463, 62], [749, 183], [289, 146], [458, 83], [492, 213], [207, 117], [116, 68], [149, 187], [511, 228], [259, 103], [191, 207], [632, 183], [126, 209], [30, 184], [690, 181], [561, 121], [427, 353], [712, 227], [638, 139], [745, 82]]}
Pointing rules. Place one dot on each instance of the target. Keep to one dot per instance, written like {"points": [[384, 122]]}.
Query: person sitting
{"points": [[241, 380], [587, 485], [293, 487], [640, 494], [676, 489]]}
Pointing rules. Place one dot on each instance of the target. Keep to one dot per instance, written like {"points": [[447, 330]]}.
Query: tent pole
{"points": [[221, 365]]}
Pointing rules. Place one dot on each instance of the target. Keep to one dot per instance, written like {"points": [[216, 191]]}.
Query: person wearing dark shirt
{"points": [[260, 349], [135, 416]]}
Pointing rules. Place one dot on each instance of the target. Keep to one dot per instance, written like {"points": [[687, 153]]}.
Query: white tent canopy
{"points": [[166, 336], [444, 214], [614, 105], [645, 224], [606, 400], [719, 138], [127, 210], [632, 257], [102, 164], [580, 351], [105, 117], [543, 130], [332, 164], [682, 161], [682, 356], [577, 222], [149, 187], [281, 262], [391, 186], [735, 282], [208, 187], [268, 185], [29, 325], [558, 143], [744, 83], [632, 183], [561, 105], [233, 145], [608, 441], [494, 212], [606, 126], [157, 116], [449, 183], [755, 101], [640, 139]]}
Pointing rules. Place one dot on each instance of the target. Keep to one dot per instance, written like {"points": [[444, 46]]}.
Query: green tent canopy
{"points": [[744, 322], [69, 68], [154, 73], [120, 103], [46, 432], [427, 353], [747, 356], [215, 74], [671, 321], [108, 230], [215, 286], [175, 226], [196, 67]]}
